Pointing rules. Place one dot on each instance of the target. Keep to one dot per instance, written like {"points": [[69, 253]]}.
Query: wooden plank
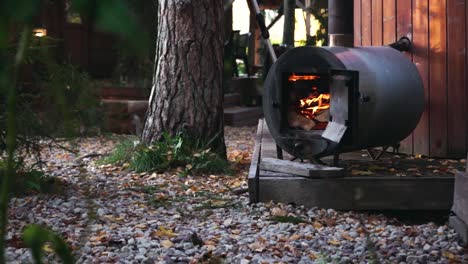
{"points": [[389, 21], [253, 180], [366, 20], [460, 196], [302, 169], [456, 61], [404, 28], [421, 60], [363, 193], [357, 23], [438, 78], [460, 227], [377, 22]]}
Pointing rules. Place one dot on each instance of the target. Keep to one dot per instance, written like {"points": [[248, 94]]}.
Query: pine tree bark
{"points": [[187, 83]]}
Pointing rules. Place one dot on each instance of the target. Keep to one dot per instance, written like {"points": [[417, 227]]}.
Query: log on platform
{"points": [[300, 169]]}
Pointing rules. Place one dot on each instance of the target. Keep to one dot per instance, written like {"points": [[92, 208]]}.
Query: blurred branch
{"points": [[11, 136]]}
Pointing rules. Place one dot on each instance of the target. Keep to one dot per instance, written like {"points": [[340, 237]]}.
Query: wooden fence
{"points": [[438, 31]]}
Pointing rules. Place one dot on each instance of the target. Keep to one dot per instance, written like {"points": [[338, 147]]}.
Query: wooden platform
{"points": [[459, 219], [351, 192]]}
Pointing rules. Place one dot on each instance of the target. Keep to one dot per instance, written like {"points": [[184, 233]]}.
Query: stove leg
{"points": [[384, 149], [279, 152], [318, 161], [336, 159], [378, 155]]}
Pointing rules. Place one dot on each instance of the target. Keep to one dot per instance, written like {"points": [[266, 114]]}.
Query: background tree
{"points": [[187, 83]]}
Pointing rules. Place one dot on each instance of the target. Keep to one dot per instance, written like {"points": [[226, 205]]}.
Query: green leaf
{"points": [[35, 237], [20, 10], [114, 16]]}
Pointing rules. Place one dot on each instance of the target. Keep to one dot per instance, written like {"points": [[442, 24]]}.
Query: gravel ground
{"points": [[109, 215]]}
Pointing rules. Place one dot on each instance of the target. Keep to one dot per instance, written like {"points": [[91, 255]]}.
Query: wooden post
{"points": [[289, 21]]}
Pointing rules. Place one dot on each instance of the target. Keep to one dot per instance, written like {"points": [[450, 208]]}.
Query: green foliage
{"points": [[321, 36], [52, 99], [28, 180], [137, 69], [36, 237], [122, 153], [108, 15], [114, 16], [171, 152]]}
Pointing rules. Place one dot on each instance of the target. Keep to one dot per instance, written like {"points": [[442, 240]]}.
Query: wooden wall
{"points": [[438, 31]]}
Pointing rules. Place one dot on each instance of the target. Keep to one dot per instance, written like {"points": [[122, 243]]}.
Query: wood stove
{"points": [[320, 101]]}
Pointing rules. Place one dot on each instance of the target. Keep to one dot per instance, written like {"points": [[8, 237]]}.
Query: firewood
{"points": [[298, 121], [324, 116]]}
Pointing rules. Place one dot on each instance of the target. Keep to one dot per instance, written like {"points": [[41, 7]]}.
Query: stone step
{"points": [[231, 100], [124, 93], [124, 116], [120, 114], [242, 116]]}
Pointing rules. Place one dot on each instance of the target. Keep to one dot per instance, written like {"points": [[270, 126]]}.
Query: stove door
{"points": [[344, 93]]}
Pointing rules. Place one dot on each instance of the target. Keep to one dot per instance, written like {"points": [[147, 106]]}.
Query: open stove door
{"points": [[344, 95]]}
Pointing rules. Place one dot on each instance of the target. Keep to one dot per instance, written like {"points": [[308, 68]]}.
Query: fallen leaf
{"points": [[278, 212], [375, 167], [295, 237], [360, 172], [166, 243], [164, 232], [317, 225], [47, 248], [450, 256], [258, 246], [347, 236], [334, 242], [219, 202]]}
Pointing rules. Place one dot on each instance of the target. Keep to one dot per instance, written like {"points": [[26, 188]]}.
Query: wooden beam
{"points": [[276, 19]]}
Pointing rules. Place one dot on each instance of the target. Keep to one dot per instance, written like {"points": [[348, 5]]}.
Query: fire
{"points": [[314, 105], [294, 77]]}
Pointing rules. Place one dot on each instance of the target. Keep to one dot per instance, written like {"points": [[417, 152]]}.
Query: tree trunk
{"points": [[187, 82], [289, 22]]}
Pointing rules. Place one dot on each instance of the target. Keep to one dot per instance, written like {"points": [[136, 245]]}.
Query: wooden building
{"points": [[92, 50], [438, 29]]}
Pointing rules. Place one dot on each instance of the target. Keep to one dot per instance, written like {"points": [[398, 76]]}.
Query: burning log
{"points": [[299, 121], [323, 116]]}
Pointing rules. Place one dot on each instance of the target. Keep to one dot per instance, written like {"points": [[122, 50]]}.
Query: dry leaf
{"points": [[334, 242], [164, 232], [219, 202], [317, 225], [347, 236], [295, 237], [166, 243], [47, 248], [360, 172], [452, 257], [278, 212]]}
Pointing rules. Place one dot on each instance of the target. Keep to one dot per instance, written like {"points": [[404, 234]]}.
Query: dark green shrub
{"points": [[28, 180], [171, 152]]}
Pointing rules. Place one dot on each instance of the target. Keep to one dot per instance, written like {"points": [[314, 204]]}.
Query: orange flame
{"points": [[294, 77], [313, 105]]}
